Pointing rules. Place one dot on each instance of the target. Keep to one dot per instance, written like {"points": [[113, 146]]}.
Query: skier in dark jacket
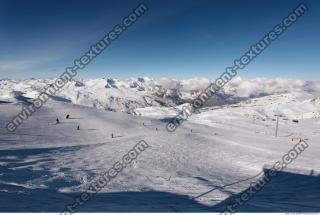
{"points": [[78, 128], [57, 120], [67, 117]]}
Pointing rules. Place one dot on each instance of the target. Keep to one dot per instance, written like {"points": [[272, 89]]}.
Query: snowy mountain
{"points": [[128, 95], [211, 158]]}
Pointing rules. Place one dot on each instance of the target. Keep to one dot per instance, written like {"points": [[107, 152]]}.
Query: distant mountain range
{"points": [[128, 95]]}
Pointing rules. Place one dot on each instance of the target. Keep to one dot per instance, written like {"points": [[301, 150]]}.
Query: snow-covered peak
{"points": [[127, 95]]}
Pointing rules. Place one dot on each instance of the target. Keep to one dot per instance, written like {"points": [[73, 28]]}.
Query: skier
{"points": [[57, 120], [67, 117], [111, 135], [78, 128], [143, 124], [191, 130], [156, 129], [311, 173]]}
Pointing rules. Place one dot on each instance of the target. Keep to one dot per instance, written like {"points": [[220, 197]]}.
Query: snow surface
{"points": [[42, 164], [128, 95]]}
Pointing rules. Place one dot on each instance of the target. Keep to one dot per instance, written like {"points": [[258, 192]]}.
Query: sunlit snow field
{"points": [[211, 157]]}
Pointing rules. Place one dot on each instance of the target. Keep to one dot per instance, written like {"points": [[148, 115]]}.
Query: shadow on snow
{"points": [[285, 192]]}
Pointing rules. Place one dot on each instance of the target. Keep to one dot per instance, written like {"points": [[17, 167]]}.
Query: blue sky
{"points": [[177, 38]]}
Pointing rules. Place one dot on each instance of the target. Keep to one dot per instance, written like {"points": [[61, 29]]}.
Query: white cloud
{"points": [[15, 65], [252, 87], [23, 64]]}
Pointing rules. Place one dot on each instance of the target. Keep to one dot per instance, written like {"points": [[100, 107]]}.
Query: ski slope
{"points": [[44, 165]]}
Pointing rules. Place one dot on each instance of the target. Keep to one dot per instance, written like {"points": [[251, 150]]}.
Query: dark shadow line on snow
{"points": [[117, 136], [227, 185], [285, 192], [88, 129], [5, 102], [24, 134]]}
